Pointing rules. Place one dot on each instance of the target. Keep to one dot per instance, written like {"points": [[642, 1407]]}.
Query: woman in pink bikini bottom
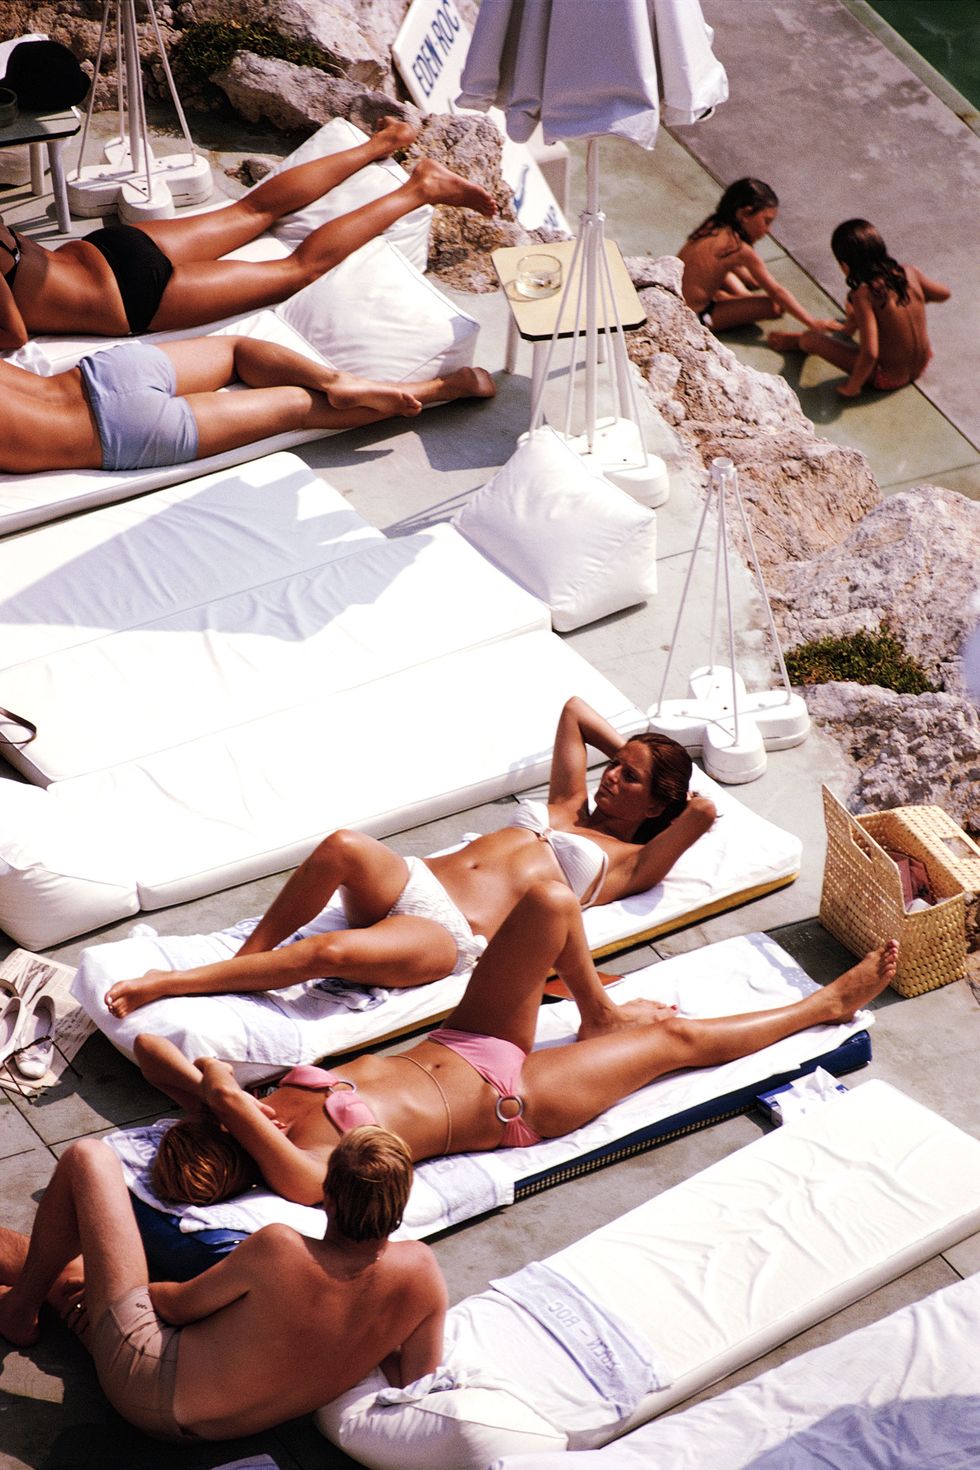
{"points": [[476, 1084]]}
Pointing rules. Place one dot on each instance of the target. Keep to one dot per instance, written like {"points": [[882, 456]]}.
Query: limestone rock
{"points": [[712, 383], [912, 560], [293, 98], [461, 240], [909, 749], [355, 34], [802, 493]]}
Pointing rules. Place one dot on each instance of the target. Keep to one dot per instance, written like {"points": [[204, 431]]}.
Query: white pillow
{"points": [[376, 315], [579, 543], [453, 1430], [82, 880], [374, 181]]}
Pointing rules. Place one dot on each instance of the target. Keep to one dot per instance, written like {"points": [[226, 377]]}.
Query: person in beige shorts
{"points": [[278, 1327]]}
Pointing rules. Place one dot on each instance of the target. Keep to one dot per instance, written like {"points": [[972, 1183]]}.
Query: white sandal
{"points": [[35, 1044], [11, 1020]]}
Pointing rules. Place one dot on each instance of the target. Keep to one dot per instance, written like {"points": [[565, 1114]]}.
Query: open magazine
{"points": [[30, 976]]}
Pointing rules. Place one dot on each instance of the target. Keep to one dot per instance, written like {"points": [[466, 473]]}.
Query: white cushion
{"points": [[374, 314], [565, 533], [708, 1276], [59, 875], [374, 181], [468, 1426]]}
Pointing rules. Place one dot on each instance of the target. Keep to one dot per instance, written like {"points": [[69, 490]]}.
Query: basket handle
{"points": [[841, 827]]}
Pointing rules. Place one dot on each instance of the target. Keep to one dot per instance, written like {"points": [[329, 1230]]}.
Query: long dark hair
{"points": [[864, 255], [750, 194], [670, 780]]}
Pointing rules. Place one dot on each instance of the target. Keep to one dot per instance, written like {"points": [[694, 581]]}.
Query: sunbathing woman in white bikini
{"points": [[415, 920], [474, 1084], [165, 275]]}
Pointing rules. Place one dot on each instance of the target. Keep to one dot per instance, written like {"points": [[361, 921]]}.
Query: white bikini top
{"points": [[582, 861]]}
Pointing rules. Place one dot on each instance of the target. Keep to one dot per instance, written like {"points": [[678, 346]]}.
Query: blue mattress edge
{"points": [[850, 1055]]}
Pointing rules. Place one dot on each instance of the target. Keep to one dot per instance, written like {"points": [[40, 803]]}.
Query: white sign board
{"points": [[430, 53]]}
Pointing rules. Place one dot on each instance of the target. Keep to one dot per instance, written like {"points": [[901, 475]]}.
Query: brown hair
{"points": [[670, 780], [199, 1163], [368, 1179], [864, 255], [751, 194]]}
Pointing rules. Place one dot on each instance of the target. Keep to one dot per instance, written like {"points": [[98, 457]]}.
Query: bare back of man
{"points": [[277, 1328], [306, 1320], [46, 423]]}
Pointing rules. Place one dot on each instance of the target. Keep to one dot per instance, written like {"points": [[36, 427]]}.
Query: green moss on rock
{"points": [[866, 657], [207, 48]]}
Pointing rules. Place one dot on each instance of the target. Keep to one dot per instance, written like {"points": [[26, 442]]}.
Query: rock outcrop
{"points": [[907, 748], [301, 98], [913, 560], [803, 493]]}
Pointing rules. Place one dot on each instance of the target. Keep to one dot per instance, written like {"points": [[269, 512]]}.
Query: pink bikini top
{"points": [[342, 1105]]}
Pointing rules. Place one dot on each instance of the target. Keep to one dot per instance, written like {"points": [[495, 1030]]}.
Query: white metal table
{"points": [[51, 129]]}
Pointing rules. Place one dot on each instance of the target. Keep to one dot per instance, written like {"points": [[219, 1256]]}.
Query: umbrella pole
{"points": [[618, 446], [593, 226]]}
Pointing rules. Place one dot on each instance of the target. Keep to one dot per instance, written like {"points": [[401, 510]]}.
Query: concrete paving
{"points": [[52, 1414]]}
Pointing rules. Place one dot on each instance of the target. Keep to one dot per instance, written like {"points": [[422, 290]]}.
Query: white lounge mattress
{"points": [[198, 730], [899, 1394], [710, 1274]]}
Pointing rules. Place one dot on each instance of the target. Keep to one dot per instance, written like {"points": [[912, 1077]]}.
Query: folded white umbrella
{"points": [[583, 69]]}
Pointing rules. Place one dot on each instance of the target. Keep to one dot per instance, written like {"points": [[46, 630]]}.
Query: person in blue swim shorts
{"points": [[134, 407]]}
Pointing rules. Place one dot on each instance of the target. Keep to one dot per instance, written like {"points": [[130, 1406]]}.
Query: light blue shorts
{"points": [[142, 424]]}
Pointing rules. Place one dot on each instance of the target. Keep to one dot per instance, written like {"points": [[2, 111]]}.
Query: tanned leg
{"points": [[398, 950], [216, 232], [543, 932], [834, 350], [203, 291], [565, 1087], [85, 1209]]}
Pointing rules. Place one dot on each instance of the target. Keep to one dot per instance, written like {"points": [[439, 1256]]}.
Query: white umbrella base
{"points": [[177, 178], [704, 723]]}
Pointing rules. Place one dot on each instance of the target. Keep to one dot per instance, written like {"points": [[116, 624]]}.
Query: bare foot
{"points": [[784, 341], [17, 1327], [852, 990], [440, 185], [468, 382], [348, 391], [394, 133], [630, 1013], [128, 995]]}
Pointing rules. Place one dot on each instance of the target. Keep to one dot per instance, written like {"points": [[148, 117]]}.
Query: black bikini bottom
{"points": [[140, 267]]}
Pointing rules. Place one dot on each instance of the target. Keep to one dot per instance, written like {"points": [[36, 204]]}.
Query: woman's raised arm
{"points": [[656, 858], [295, 1173], [164, 1066], [578, 727]]}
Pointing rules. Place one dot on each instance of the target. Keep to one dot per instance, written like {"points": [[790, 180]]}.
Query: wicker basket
{"points": [[861, 903]]}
